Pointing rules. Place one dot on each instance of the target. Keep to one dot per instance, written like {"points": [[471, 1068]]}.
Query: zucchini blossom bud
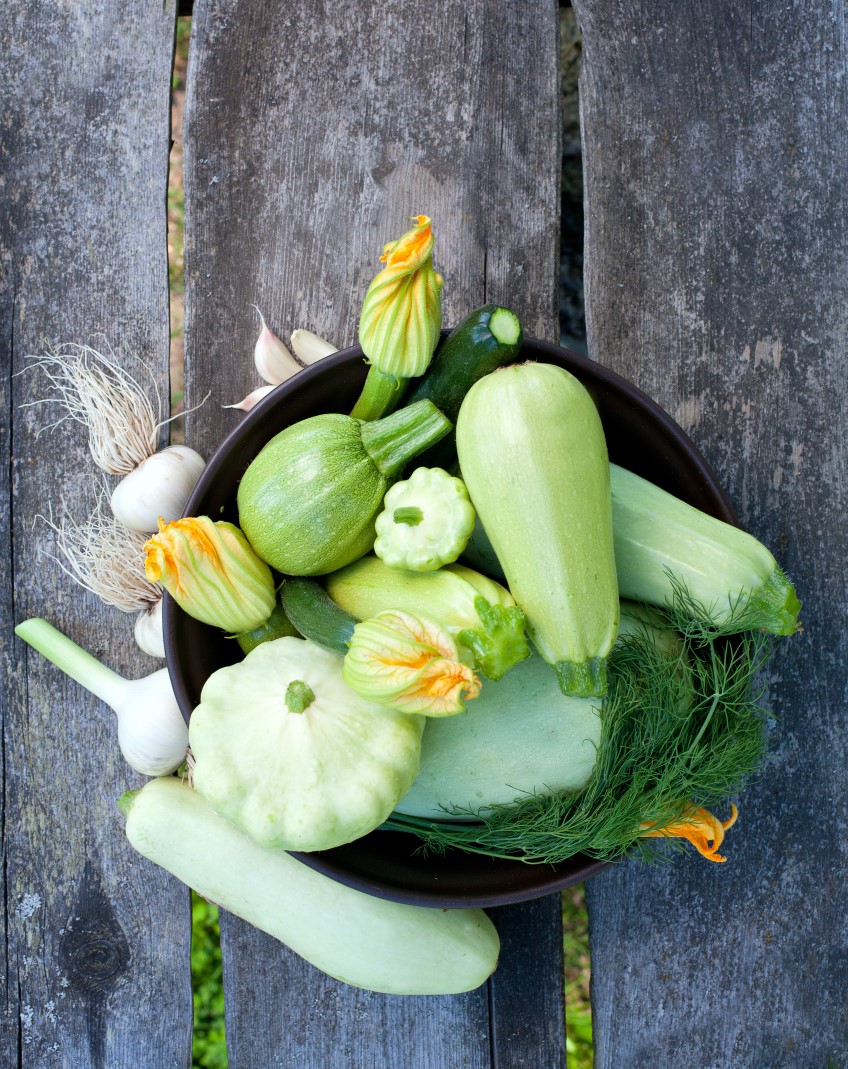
{"points": [[402, 312], [409, 663], [211, 571]]}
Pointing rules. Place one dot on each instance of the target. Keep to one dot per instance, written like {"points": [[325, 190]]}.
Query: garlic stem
{"points": [[152, 734]]}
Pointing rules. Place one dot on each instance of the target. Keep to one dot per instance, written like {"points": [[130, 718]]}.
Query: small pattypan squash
{"points": [[290, 754], [426, 521]]}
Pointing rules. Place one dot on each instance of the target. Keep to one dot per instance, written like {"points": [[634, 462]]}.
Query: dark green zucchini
{"points": [[276, 626], [316, 616], [484, 341]]}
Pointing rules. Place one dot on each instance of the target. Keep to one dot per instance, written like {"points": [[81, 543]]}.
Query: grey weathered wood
{"points": [[312, 133], [715, 148], [96, 969]]}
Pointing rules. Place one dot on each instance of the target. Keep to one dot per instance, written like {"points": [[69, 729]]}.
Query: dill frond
{"points": [[676, 730]]}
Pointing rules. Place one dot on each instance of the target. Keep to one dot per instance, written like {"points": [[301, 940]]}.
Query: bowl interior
{"points": [[640, 436]]}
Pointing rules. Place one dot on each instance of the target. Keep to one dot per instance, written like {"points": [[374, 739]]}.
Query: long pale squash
{"points": [[533, 456], [361, 940]]}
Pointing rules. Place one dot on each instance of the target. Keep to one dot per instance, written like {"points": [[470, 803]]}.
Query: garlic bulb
{"points": [[308, 347], [123, 429], [148, 630], [152, 734], [159, 487]]}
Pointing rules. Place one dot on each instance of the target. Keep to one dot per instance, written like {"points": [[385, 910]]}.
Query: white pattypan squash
{"points": [[300, 780]]}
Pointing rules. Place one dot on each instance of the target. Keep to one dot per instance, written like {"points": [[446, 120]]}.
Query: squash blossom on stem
{"points": [[212, 573], [409, 663], [703, 830], [400, 320]]}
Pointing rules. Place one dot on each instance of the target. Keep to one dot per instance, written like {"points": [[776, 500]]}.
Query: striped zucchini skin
{"points": [[533, 456], [309, 500]]}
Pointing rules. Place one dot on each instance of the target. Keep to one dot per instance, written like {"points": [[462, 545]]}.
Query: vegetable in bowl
{"points": [[638, 433]]}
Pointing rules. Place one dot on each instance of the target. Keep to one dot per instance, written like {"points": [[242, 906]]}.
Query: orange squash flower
{"points": [[212, 572], [402, 312], [409, 663], [703, 830]]}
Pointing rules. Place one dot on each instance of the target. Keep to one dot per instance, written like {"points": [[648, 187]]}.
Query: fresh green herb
{"points": [[677, 731]]}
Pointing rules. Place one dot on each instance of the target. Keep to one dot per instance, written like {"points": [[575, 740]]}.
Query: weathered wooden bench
{"points": [[716, 253]]}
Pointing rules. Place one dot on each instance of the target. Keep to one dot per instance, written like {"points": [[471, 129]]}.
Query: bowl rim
{"points": [[549, 878]]}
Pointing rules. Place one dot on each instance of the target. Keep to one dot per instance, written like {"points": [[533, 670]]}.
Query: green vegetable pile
{"points": [[527, 708]]}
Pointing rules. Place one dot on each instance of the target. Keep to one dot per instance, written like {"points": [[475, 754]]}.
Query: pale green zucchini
{"points": [[534, 459], [361, 940], [660, 540], [662, 544], [479, 613], [520, 736]]}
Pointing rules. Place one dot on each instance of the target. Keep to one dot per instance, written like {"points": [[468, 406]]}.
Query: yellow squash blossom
{"points": [[410, 663], [402, 312], [703, 830], [212, 573]]}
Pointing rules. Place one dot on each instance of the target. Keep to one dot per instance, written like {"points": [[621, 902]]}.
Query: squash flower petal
{"points": [[402, 312], [409, 663], [211, 571], [703, 830]]}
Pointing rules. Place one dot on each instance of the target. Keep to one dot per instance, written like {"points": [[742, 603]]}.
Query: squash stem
{"points": [[584, 679], [380, 395], [394, 440], [299, 696]]}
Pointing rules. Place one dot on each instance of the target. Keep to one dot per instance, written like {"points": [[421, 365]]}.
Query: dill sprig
{"points": [[677, 728]]}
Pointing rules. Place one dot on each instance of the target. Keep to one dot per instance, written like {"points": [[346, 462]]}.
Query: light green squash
{"points": [[359, 939], [285, 750], [520, 736]]}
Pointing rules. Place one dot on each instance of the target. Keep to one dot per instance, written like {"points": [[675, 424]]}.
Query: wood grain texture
{"points": [[716, 255], [313, 131], [96, 968]]}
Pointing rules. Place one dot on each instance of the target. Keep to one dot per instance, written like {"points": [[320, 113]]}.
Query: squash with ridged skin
{"points": [[290, 754]]}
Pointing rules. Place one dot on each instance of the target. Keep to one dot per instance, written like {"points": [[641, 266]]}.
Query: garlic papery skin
{"points": [[148, 630], [152, 734], [159, 487], [273, 360], [308, 347], [253, 398]]}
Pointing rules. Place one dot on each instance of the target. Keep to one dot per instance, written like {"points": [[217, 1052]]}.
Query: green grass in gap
{"points": [[209, 1047], [578, 1011]]}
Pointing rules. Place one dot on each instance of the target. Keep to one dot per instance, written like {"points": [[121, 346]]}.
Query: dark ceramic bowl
{"points": [[640, 436]]}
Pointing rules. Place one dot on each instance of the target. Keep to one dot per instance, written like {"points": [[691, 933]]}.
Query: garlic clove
{"points": [[273, 360], [148, 630], [308, 347], [159, 487], [253, 398]]}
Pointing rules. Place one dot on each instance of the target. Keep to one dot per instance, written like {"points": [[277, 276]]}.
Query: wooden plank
{"points": [[715, 148], [312, 133], [96, 970]]}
